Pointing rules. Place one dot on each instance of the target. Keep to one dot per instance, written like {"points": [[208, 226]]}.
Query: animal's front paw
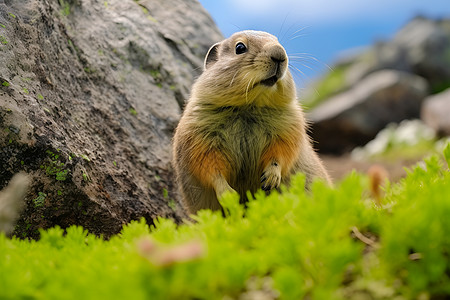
{"points": [[222, 187], [271, 177]]}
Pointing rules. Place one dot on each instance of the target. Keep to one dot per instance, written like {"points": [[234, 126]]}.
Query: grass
{"points": [[330, 243], [326, 87]]}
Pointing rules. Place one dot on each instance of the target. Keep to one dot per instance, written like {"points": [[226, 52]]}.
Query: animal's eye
{"points": [[240, 48]]}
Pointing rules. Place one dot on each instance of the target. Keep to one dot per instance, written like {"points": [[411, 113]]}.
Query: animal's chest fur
{"points": [[243, 135]]}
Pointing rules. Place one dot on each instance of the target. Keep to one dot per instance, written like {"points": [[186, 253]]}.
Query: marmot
{"points": [[242, 128]]}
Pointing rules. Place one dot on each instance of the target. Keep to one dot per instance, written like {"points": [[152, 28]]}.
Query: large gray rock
{"points": [[421, 47], [90, 93], [436, 112], [354, 117]]}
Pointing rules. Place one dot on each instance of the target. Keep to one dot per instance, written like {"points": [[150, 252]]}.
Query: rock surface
{"points": [[354, 117], [90, 93], [436, 112]]}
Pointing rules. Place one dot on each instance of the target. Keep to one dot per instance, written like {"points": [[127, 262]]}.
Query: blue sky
{"points": [[322, 28]]}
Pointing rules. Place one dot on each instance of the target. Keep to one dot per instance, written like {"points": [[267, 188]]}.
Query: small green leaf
{"points": [[39, 200], [447, 154], [132, 111], [3, 40], [165, 194]]}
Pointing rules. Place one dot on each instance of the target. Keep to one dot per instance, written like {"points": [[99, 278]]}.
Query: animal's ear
{"points": [[212, 56]]}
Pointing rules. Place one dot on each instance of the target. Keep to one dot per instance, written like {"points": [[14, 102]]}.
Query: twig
{"points": [[364, 239]]}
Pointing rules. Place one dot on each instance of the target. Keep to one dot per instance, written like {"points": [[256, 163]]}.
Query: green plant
{"points": [[86, 177], [172, 204], [151, 18], [39, 200], [329, 243], [407, 140], [156, 74], [65, 7], [85, 157], [3, 40], [54, 167], [327, 86], [132, 111]]}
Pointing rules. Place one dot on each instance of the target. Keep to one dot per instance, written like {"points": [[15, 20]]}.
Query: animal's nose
{"points": [[277, 60], [277, 54]]}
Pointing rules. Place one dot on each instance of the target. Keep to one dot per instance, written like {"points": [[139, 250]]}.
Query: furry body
{"points": [[242, 128]]}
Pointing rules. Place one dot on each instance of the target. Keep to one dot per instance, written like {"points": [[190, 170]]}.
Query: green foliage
{"points": [[54, 167], [447, 154], [415, 238], [89, 70], [132, 111], [3, 40], [86, 177], [39, 200], [85, 157], [329, 85], [156, 74], [408, 140], [438, 87], [330, 243], [65, 7]]}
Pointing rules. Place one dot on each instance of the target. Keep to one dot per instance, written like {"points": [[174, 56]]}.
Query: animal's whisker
{"points": [[232, 79], [246, 90], [297, 36], [299, 30], [301, 53], [303, 57], [311, 60], [306, 66], [294, 68]]}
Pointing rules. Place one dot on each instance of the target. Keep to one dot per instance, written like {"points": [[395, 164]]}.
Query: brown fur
{"points": [[240, 132]]}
